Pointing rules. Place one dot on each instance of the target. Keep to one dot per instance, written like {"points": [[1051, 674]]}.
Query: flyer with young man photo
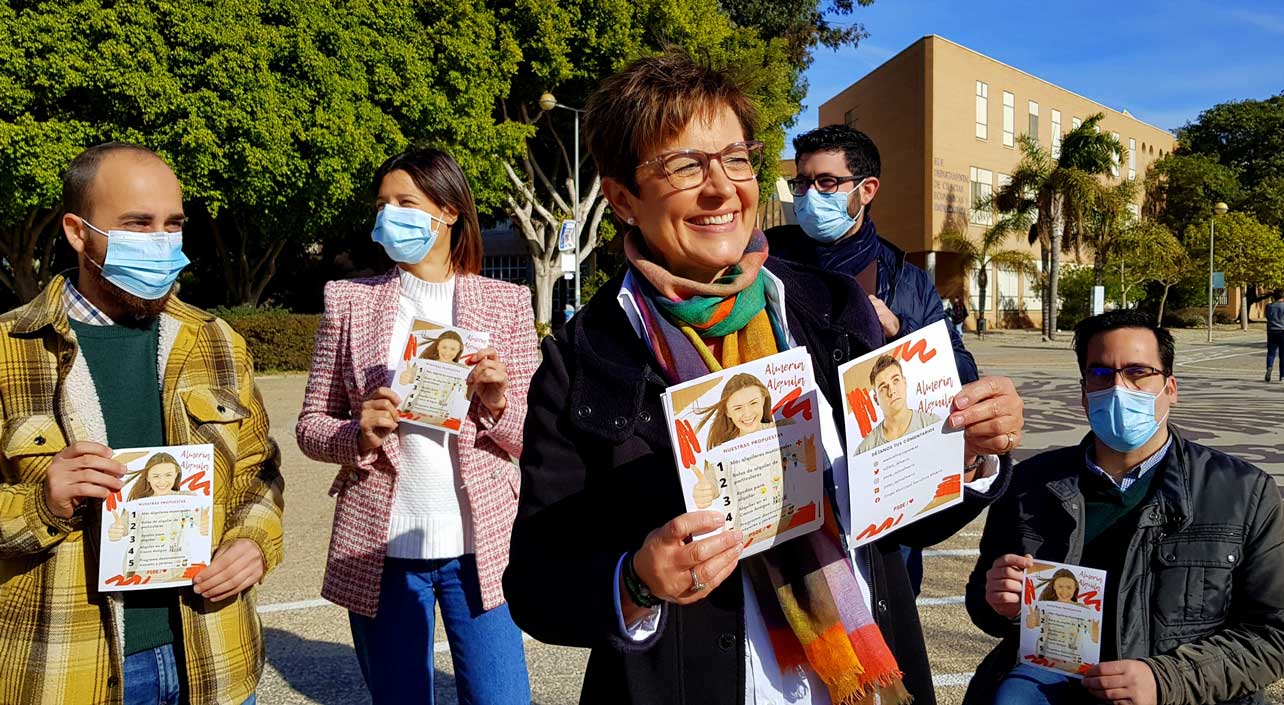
{"points": [[747, 443], [904, 463], [156, 530]]}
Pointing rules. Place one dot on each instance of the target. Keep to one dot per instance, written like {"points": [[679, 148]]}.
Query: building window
{"points": [[982, 110], [1006, 290], [1034, 120], [1135, 211], [1030, 298], [1132, 159], [1114, 158], [849, 117], [1075, 123], [514, 269], [1056, 134], [1009, 117], [982, 187]]}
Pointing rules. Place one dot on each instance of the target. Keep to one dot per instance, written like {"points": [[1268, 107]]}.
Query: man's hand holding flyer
{"points": [[903, 464], [747, 441], [157, 529]]}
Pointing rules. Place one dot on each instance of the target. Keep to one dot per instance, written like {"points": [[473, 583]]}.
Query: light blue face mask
{"points": [[143, 264], [1123, 418], [824, 216], [407, 234]]}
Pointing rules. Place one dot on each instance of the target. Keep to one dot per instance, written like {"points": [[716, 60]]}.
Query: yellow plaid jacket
{"points": [[60, 639]]}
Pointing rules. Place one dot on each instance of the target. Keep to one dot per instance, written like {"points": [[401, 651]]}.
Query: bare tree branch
{"points": [[594, 221], [528, 194]]}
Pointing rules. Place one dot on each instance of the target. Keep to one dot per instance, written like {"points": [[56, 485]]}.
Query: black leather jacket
{"points": [[1201, 594]]}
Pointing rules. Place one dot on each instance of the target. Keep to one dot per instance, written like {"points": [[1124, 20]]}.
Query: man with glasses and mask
{"points": [[1191, 539], [838, 177], [107, 357]]}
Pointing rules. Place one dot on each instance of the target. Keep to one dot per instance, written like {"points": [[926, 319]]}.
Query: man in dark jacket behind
{"points": [[1191, 539], [838, 172]]}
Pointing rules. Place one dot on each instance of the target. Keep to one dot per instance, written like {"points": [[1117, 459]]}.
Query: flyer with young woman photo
{"points": [[903, 462], [747, 444], [1061, 617], [156, 529], [431, 377]]}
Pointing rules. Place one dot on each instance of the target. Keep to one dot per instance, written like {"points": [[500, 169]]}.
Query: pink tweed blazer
{"points": [[350, 362]]}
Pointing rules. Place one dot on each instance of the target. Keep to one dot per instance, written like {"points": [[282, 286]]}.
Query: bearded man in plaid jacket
{"points": [[107, 356]]}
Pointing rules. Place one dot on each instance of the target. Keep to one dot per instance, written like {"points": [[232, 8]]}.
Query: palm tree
{"points": [[1045, 191], [1107, 218], [981, 255]]}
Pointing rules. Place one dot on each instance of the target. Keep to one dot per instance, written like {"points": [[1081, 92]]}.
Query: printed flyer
{"points": [[1061, 617], [903, 463], [156, 529], [432, 376], [747, 443]]}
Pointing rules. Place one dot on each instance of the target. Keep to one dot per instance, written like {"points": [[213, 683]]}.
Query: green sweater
{"points": [[122, 362]]}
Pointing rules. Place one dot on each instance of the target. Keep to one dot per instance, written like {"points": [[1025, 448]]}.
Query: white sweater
{"points": [[430, 514]]}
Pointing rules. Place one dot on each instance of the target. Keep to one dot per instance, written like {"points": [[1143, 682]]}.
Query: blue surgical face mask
{"points": [[824, 216], [1123, 418], [407, 234], [143, 264]]}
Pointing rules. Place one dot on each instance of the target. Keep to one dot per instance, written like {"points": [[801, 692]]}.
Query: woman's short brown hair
{"points": [[650, 102], [438, 175]]}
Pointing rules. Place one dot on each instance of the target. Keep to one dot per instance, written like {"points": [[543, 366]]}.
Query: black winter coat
{"points": [[598, 476], [1201, 596]]}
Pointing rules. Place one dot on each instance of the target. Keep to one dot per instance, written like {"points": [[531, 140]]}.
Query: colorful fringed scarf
{"points": [[812, 605]]}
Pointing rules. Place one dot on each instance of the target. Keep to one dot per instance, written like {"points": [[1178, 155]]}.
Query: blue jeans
{"points": [[1274, 346], [151, 678], [1027, 685], [395, 649]]}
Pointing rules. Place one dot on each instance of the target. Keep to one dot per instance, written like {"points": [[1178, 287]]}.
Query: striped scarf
{"points": [[807, 590]]}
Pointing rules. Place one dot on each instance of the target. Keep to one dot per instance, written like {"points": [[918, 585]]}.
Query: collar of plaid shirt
{"points": [[82, 310], [1132, 475]]}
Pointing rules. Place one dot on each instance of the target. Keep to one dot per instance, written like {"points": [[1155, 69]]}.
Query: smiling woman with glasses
{"points": [[604, 554]]}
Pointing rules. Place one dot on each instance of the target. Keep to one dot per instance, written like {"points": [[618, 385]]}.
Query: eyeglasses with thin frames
{"points": [[1098, 377], [823, 184], [689, 168]]}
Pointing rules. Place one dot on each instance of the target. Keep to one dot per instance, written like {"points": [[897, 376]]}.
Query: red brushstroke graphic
{"points": [[918, 348], [861, 404], [802, 516], [1090, 599], [792, 407], [1029, 591], [688, 444], [412, 348], [876, 529], [193, 570], [196, 483], [131, 580]]}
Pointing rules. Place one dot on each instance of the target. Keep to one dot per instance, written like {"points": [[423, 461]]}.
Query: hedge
{"points": [[280, 341]]}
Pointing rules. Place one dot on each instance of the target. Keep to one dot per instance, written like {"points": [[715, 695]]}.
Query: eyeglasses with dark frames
{"points": [[689, 168], [824, 184], [1098, 377]]}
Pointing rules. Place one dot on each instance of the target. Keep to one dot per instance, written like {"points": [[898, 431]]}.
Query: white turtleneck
{"points": [[430, 513]]}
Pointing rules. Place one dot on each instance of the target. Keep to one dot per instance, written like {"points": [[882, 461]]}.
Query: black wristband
{"points": [[638, 591]]}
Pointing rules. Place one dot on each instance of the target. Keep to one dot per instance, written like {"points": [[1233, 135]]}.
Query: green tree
{"points": [[1107, 217], [1182, 188], [1151, 251], [1048, 192], [982, 254], [1249, 252], [568, 46], [1248, 137], [274, 113]]}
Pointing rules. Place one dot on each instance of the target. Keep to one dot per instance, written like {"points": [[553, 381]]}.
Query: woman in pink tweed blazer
{"points": [[388, 570]]}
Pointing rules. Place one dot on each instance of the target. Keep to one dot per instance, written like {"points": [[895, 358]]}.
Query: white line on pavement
{"points": [[287, 606], [951, 552], [951, 680], [939, 601]]}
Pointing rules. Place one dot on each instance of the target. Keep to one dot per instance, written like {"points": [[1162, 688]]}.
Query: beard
{"points": [[137, 309]]}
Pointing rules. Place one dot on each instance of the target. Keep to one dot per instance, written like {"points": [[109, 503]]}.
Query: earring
{"points": [[631, 221]]}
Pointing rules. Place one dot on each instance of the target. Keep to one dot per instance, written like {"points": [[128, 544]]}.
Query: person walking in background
{"points": [[1275, 335], [958, 314], [107, 355], [423, 517]]}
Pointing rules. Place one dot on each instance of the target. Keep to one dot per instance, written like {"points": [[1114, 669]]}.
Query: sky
{"points": [[1164, 62]]}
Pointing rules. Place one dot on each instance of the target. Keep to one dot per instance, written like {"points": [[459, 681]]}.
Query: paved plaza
{"points": [[1223, 403]]}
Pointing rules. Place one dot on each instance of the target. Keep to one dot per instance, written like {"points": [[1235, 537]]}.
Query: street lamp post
{"points": [[1219, 209], [547, 103]]}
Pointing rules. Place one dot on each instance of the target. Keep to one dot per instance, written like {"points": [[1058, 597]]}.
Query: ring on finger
{"points": [[696, 585], [1011, 442]]}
